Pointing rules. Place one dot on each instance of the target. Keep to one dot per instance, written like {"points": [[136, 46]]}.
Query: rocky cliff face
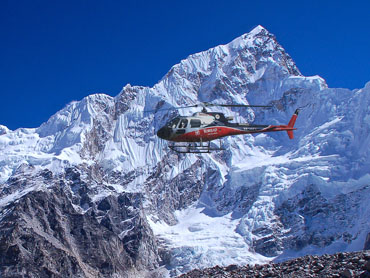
{"points": [[59, 231], [94, 193]]}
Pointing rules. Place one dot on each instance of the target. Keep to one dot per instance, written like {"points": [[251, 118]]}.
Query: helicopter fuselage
{"points": [[203, 127]]}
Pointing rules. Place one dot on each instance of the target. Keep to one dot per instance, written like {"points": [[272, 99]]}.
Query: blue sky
{"points": [[53, 52]]}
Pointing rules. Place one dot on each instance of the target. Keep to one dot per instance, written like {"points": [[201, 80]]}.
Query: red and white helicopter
{"points": [[202, 127]]}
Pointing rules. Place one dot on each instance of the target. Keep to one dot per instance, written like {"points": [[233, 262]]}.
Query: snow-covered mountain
{"points": [[94, 193]]}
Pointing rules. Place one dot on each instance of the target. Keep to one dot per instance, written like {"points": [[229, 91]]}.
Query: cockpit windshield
{"points": [[173, 123]]}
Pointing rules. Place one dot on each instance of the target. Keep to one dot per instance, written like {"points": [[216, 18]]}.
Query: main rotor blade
{"points": [[171, 108], [235, 105], [206, 104], [244, 105]]}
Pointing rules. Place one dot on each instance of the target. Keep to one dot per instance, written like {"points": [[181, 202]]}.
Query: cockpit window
{"points": [[183, 123], [173, 123]]}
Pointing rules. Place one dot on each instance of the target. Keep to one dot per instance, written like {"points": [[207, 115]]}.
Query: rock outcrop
{"points": [[60, 232], [345, 265]]}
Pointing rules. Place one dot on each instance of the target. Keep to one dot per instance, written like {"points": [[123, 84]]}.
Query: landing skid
{"points": [[194, 147]]}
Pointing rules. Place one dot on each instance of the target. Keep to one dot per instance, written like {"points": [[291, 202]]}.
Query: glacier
{"points": [[264, 198]]}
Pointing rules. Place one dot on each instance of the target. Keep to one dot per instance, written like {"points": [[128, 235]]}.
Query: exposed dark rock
{"points": [[367, 265], [122, 102], [44, 234], [183, 190], [304, 214], [327, 266], [367, 242]]}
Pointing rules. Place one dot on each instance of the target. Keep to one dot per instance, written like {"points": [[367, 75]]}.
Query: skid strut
{"points": [[195, 147]]}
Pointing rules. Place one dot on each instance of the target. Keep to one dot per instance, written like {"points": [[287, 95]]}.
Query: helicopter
{"points": [[203, 127]]}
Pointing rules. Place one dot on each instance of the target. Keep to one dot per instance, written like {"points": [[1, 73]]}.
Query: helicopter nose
{"points": [[164, 133]]}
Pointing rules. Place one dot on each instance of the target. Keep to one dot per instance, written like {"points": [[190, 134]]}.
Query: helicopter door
{"points": [[194, 123], [182, 125]]}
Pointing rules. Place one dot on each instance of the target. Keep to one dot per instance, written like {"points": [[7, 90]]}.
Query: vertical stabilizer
{"points": [[291, 124]]}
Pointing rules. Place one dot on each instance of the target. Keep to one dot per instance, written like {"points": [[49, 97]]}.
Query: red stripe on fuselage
{"points": [[215, 132], [208, 134]]}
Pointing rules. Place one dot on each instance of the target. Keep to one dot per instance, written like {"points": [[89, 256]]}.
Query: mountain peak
{"points": [[258, 29], [256, 32], [247, 59], [3, 129]]}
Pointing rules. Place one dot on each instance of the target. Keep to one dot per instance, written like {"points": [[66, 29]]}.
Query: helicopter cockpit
{"points": [[173, 123], [178, 125], [184, 122]]}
